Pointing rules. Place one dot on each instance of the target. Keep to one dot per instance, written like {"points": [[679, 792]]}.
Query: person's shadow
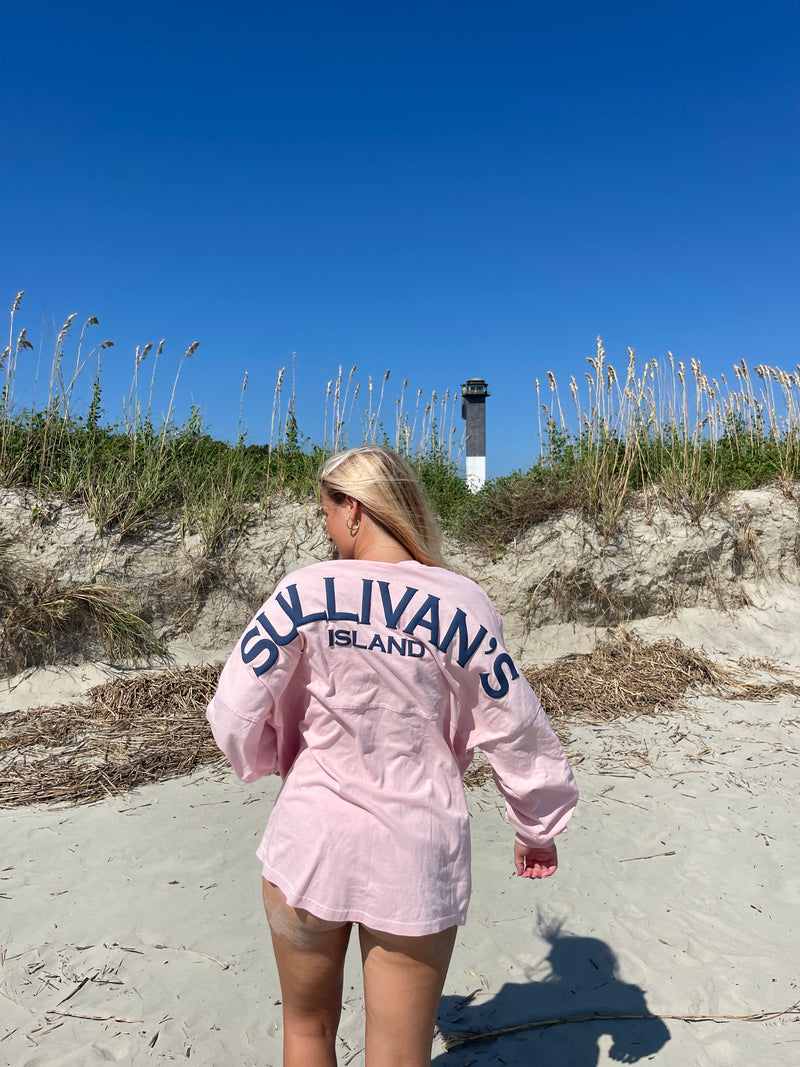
{"points": [[583, 982]]}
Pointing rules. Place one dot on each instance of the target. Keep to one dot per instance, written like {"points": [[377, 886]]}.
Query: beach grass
{"points": [[43, 617], [130, 473], [661, 432], [657, 432]]}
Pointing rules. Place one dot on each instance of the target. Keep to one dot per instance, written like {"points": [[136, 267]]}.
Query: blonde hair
{"points": [[387, 488]]}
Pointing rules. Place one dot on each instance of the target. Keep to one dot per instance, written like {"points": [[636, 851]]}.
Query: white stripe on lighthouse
{"points": [[476, 473]]}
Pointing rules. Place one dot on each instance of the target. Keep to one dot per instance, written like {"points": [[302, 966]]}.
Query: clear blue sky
{"points": [[443, 189]]}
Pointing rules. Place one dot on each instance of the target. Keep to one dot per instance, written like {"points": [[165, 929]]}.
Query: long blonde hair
{"points": [[387, 488]]}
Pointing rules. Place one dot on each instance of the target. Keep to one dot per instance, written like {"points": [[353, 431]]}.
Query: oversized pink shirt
{"points": [[366, 686]]}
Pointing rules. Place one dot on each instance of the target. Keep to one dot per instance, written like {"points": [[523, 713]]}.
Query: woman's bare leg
{"points": [[310, 956], [403, 980]]}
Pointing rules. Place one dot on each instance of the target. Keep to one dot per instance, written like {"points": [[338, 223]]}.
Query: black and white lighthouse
{"points": [[473, 408]]}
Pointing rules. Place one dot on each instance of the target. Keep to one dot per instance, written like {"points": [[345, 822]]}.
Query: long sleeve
{"points": [[250, 745], [530, 768], [253, 715], [509, 725]]}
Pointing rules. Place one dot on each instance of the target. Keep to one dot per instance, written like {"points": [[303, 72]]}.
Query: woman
{"points": [[366, 683]]}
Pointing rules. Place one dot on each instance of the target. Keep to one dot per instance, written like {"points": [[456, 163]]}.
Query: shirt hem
{"points": [[355, 915]]}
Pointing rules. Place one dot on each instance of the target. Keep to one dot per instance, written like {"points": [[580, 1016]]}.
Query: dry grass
{"points": [[42, 619], [459, 1038], [129, 473], [663, 425], [135, 731], [479, 773], [130, 732], [624, 675]]}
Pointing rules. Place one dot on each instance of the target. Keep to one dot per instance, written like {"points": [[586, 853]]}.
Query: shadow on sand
{"points": [[583, 981]]}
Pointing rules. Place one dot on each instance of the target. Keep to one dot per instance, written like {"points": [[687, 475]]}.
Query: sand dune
{"points": [[131, 929]]}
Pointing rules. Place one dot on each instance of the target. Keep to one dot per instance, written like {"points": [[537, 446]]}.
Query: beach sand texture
{"points": [[131, 929]]}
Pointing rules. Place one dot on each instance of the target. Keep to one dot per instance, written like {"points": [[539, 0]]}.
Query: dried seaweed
{"points": [[478, 774], [129, 732], [152, 727], [624, 675]]}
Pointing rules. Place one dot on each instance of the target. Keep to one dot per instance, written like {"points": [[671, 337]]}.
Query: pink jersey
{"points": [[366, 686]]}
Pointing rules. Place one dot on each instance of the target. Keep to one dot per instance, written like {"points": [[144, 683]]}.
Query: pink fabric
{"points": [[366, 686]]}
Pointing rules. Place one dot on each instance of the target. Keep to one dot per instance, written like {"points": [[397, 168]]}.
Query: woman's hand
{"points": [[535, 862]]}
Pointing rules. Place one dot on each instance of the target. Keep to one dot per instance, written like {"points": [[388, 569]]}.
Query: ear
{"points": [[354, 507]]}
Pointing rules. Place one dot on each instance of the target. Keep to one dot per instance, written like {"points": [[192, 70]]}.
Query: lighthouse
{"points": [[473, 409]]}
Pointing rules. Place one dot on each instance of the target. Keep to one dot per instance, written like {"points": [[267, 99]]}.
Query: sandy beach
{"points": [[131, 929]]}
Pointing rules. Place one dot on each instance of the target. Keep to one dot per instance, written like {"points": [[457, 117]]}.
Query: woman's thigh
{"points": [[403, 980], [310, 956]]}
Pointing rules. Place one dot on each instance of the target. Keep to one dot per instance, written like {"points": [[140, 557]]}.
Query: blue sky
{"points": [[446, 190]]}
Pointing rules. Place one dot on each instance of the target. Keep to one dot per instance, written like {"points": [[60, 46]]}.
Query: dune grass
{"points": [[43, 618], [659, 431], [662, 433], [130, 473]]}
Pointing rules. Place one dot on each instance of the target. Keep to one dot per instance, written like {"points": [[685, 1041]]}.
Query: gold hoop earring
{"points": [[352, 526]]}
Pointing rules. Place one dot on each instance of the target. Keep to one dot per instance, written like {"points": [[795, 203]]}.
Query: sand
{"points": [[131, 930]]}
